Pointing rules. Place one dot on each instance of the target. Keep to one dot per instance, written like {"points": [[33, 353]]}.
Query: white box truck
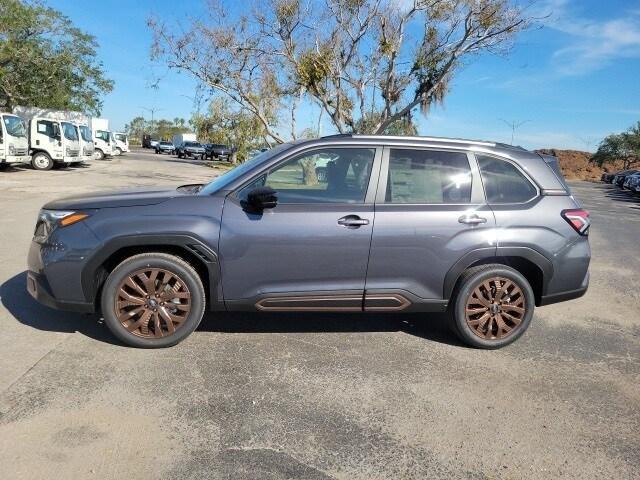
{"points": [[102, 138], [53, 136], [14, 143], [180, 138], [122, 143]]}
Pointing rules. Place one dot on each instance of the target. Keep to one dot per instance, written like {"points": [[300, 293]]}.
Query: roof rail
{"points": [[430, 139]]}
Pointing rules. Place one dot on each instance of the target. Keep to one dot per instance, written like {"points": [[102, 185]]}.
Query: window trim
{"points": [[370, 194], [520, 169], [477, 191]]}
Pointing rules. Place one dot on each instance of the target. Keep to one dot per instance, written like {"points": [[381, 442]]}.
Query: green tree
{"points": [[367, 63], [47, 62], [226, 125], [623, 146]]}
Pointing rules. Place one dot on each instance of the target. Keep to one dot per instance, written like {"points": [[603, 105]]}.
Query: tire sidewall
{"points": [[188, 276], [99, 154], [467, 287]]}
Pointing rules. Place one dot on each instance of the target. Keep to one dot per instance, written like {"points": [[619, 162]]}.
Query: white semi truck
{"points": [[14, 144], [103, 138], [53, 136]]}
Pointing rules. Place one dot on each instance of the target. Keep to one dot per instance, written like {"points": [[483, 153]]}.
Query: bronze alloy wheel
{"points": [[152, 302], [495, 309]]}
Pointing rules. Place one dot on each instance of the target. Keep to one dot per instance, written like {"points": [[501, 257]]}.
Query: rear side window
{"points": [[428, 177], [503, 182]]}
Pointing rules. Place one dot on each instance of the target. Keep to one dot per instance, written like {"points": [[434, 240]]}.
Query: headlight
{"points": [[67, 151], [12, 150], [49, 220]]}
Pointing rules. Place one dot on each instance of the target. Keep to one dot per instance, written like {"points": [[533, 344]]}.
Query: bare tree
{"points": [[367, 63]]}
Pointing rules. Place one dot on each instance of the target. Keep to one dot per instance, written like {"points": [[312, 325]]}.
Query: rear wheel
{"points": [[153, 300], [493, 306], [41, 161]]}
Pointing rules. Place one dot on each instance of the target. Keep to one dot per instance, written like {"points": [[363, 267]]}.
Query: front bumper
{"points": [[39, 288], [16, 159]]}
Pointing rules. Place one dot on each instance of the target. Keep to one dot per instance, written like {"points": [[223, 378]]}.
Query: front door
{"points": [[430, 212], [311, 250]]}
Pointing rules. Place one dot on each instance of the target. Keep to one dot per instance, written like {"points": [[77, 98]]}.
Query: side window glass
{"points": [[503, 182], [333, 175], [428, 177]]}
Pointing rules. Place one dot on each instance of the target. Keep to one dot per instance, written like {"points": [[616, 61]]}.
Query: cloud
{"points": [[593, 44]]}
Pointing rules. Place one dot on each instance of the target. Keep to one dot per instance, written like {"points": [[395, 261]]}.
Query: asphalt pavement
{"points": [[317, 396]]}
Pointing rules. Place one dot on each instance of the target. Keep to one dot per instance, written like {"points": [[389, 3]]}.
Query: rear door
{"points": [[430, 212], [311, 250]]}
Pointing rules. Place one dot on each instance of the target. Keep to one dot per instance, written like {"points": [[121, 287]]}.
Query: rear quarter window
{"points": [[503, 182]]}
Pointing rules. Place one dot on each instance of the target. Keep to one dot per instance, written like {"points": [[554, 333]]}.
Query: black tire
{"points": [[41, 161], [471, 279], [98, 154], [171, 263], [179, 154]]}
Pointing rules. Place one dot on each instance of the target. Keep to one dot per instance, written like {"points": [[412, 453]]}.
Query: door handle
{"points": [[352, 221], [472, 219]]}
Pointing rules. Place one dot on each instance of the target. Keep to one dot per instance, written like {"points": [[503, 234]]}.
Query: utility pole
{"points": [[514, 126], [153, 111]]}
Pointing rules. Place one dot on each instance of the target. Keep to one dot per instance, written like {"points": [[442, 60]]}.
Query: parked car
{"points": [[480, 230], [217, 151], [153, 143], [620, 177], [632, 182], [608, 177], [190, 149], [165, 147]]}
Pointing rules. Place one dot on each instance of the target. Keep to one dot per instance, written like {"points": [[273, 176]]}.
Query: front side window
{"points": [[70, 132], [428, 177], [47, 128], [503, 182], [102, 135], [332, 175], [15, 126]]}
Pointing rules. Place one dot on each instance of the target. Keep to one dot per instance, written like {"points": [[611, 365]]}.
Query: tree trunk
{"points": [[309, 172], [234, 158]]}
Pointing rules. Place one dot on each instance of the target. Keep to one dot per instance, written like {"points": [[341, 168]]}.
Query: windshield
{"points": [[85, 132], [121, 137], [223, 180], [166, 144], [70, 132], [15, 126], [191, 144]]}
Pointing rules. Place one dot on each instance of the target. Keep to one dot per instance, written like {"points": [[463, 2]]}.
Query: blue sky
{"points": [[572, 81]]}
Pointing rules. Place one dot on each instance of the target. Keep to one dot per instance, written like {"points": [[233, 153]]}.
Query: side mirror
{"points": [[260, 198]]}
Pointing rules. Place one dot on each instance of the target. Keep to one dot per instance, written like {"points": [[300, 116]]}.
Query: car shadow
{"points": [[432, 326], [620, 195], [26, 310]]}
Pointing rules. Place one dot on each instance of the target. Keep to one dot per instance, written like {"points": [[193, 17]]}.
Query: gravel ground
{"points": [[317, 396]]}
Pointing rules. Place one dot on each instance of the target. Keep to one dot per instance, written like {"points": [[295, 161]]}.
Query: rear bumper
{"points": [[566, 295], [38, 288]]}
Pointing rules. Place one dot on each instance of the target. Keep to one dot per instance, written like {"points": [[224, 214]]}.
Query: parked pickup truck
{"points": [[217, 151]]}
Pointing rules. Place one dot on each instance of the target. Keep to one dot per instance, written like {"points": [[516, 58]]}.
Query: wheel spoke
{"points": [[473, 311], [143, 320], [130, 298], [133, 284], [513, 308]]}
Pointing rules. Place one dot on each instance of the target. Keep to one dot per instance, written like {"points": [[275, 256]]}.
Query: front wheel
{"points": [[117, 152], [98, 155], [493, 306], [153, 300], [41, 161]]}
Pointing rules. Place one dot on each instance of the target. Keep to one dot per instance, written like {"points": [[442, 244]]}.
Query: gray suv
{"points": [[481, 230]]}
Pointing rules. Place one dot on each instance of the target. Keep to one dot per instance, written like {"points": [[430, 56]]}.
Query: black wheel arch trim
{"points": [[191, 244], [481, 254]]}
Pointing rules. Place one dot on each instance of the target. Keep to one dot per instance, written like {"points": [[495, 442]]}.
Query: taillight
{"points": [[578, 219]]}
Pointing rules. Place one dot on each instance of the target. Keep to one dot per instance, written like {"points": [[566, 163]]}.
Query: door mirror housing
{"points": [[260, 198]]}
